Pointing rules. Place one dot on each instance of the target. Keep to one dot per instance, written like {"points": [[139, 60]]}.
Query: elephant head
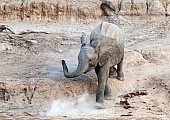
{"points": [[106, 46], [88, 59]]}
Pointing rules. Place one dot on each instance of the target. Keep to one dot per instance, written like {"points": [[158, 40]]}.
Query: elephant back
{"points": [[106, 30]]}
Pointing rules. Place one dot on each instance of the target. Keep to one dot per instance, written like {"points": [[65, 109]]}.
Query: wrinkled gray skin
{"points": [[105, 50]]}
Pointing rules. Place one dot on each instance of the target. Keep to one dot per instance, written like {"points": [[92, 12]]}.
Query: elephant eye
{"points": [[90, 60]]}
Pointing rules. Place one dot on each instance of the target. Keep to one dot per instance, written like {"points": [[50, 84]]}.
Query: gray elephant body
{"points": [[109, 41], [106, 49]]}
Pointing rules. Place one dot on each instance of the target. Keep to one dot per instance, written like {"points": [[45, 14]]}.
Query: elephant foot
{"points": [[99, 106], [108, 97], [120, 76]]}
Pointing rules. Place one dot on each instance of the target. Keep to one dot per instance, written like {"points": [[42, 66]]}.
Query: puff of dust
{"points": [[82, 105]]}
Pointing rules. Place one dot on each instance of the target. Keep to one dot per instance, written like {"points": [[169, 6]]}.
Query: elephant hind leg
{"points": [[120, 75], [112, 72]]}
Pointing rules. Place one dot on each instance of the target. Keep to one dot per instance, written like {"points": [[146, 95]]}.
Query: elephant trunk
{"points": [[81, 68]]}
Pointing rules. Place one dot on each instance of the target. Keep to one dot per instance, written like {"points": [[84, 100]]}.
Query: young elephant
{"points": [[105, 50]]}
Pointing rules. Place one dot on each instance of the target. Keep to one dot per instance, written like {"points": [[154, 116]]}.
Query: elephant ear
{"points": [[106, 51], [104, 55], [101, 50], [83, 39]]}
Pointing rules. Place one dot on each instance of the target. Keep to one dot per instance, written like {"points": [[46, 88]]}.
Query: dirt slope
{"points": [[33, 86], [79, 9]]}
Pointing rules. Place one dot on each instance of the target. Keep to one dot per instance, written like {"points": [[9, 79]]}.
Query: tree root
{"points": [[4, 27], [28, 32]]}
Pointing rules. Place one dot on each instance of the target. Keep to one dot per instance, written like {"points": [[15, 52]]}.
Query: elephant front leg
{"points": [[102, 73], [107, 92]]}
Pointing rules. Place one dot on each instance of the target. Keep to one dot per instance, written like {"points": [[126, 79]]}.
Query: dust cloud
{"points": [[82, 105]]}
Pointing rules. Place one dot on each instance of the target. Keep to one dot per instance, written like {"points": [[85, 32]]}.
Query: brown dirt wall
{"points": [[79, 9]]}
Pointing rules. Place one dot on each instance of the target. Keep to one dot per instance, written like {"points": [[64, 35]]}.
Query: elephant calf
{"points": [[105, 50]]}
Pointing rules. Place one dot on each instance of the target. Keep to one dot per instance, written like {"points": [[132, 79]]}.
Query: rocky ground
{"points": [[32, 85]]}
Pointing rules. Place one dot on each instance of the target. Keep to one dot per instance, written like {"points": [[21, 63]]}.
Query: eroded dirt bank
{"points": [[32, 85], [32, 82], [79, 9]]}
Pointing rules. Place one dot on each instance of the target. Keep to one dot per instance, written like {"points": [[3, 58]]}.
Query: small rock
{"points": [[60, 50], [5, 46], [33, 41]]}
